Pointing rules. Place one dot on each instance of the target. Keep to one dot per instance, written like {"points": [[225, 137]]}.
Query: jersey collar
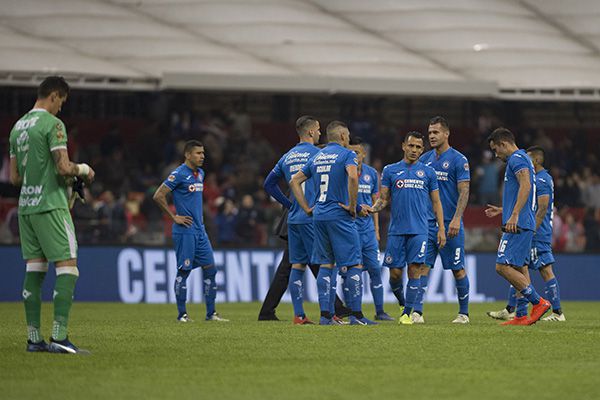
{"points": [[38, 110]]}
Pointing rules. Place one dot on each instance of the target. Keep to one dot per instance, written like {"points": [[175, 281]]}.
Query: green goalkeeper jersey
{"points": [[32, 140]]}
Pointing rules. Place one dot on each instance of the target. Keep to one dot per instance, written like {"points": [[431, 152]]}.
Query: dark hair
{"points": [[501, 135], [53, 84], [190, 144], [415, 134], [304, 123], [440, 120], [334, 125], [356, 140], [537, 150]]}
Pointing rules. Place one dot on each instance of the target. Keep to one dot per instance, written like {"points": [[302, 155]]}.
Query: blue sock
{"points": [[412, 290], [333, 291], [512, 297], [210, 289], [531, 295], [355, 286], [181, 290], [522, 304], [462, 288], [295, 288], [376, 288], [324, 288], [553, 293], [398, 290], [418, 307]]}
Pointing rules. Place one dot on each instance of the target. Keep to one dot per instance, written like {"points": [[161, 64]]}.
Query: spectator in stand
{"points": [[226, 221], [249, 217], [592, 230], [487, 174]]}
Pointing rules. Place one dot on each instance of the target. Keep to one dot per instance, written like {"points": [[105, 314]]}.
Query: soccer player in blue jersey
{"points": [[192, 247], [368, 229], [518, 224], [411, 187], [542, 258], [300, 225], [452, 170], [335, 169]]}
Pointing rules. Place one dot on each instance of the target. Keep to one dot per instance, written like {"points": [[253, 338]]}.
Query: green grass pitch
{"points": [[141, 352]]}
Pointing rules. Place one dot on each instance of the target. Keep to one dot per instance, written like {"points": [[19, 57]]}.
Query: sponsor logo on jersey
{"points": [[466, 166], [399, 183], [446, 164], [60, 135], [196, 187]]}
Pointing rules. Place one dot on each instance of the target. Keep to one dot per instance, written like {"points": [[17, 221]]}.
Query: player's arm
{"points": [[376, 218], [543, 202], [15, 178], [160, 197], [461, 205], [382, 202], [352, 171], [66, 167], [439, 216], [296, 185], [491, 211], [522, 195]]}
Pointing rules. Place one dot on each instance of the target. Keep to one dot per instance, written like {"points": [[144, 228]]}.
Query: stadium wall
{"points": [[142, 274]]}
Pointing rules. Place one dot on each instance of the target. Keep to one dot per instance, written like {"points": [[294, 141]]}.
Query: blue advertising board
{"points": [[142, 274]]}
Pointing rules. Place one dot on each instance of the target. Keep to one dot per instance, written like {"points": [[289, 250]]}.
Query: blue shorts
{"points": [[405, 249], [336, 242], [515, 249], [193, 250], [300, 242], [453, 253], [541, 255], [369, 249]]}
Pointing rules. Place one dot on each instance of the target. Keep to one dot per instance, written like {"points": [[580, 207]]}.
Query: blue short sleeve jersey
{"points": [[187, 186], [328, 169], [368, 185], [410, 186], [286, 167], [545, 186], [451, 167], [518, 161]]}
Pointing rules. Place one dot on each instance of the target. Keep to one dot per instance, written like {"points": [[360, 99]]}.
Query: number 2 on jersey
{"points": [[323, 187]]}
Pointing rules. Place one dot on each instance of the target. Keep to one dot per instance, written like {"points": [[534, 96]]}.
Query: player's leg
{"points": [[370, 261], [453, 258], [551, 287], [300, 241], [415, 249], [35, 272], [204, 256], [507, 312], [395, 261], [431, 254], [185, 253], [323, 255]]}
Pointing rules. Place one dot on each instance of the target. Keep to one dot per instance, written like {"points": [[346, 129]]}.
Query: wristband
{"points": [[83, 169]]}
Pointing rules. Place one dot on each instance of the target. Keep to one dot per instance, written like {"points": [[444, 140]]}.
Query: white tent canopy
{"points": [[502, 48]]}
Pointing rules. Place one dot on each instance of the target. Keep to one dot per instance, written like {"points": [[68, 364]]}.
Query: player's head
{"points": [[438, 132], [502, 143], [194, 153], [53, 91], [308, 127], [537, 155], [338, 132], [360, 151], [413, 146]]}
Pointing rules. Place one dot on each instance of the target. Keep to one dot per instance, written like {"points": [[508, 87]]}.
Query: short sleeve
{"points": [[375, 178], [351, 159], [307, 168], [461, 168], [433, 182], [518, 162], [386, 178], [172, 181], [278, 169], [57, 138], [542, 186], [11, 148]]}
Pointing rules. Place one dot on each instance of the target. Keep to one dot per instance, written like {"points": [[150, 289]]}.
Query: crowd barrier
{"points": [[142, 274]]}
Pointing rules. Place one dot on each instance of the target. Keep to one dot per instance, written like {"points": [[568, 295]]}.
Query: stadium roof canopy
{"points": [[537, 49]]}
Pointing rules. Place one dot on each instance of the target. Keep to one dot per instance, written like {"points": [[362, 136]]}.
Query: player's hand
{"points": [[491, 211], [309, 211], [511, 224], [454, 227], [351, 210], [89, 178], [441, 238], [184, 220], [364, 212], [368, 209]]}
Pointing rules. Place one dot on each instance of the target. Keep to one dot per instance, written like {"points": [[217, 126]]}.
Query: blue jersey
{"points": [[368, 185], [286, 167], [545, 186], [328, 169], [451, 167], [518, 161], [410, 186], [187, 186]]}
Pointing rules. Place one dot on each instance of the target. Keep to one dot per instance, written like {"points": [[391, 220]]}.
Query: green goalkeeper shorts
{"points": [[48, 235]]}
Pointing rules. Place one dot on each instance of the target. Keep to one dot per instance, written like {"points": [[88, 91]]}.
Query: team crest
{"points": [[420, 173], [367, 178], [60, 135], [446, 164], [171, 178], [399, 183], [187, 262], [466, 166], [388, 259]]}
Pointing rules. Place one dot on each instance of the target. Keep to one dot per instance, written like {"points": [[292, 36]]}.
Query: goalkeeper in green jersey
{"points": [[39, 164]]}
